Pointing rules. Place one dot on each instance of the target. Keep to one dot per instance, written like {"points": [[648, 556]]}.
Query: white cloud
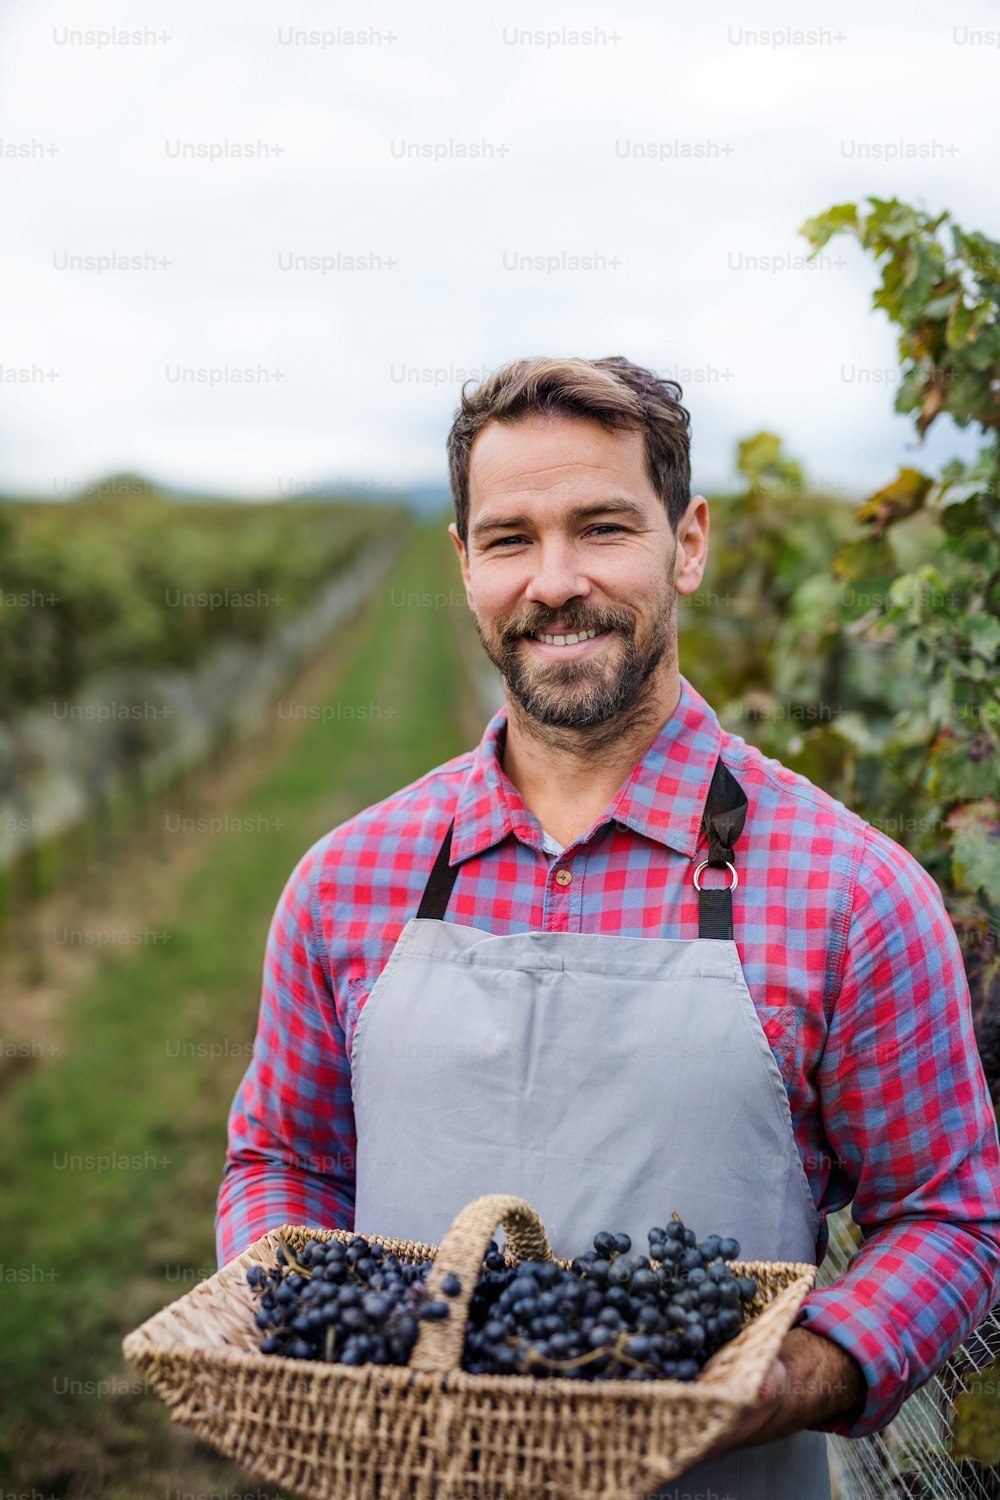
{"points": [[783, 126]]}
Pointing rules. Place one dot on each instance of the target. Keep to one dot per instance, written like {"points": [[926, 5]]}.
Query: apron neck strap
{"points": [[434, 901], [725, 814], [723, 819]]}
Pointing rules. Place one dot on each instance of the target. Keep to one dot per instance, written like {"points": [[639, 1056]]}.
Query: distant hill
{"points": [[426, 499]]}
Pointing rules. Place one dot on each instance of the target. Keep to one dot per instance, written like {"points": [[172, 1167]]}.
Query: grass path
{"points": [[153, 1049]]}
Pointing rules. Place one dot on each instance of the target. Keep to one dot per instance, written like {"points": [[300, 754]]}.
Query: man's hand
{"points": [[812, 1380]]}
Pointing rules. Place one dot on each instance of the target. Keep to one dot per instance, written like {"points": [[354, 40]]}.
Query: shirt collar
{"points": [[663, 798]]}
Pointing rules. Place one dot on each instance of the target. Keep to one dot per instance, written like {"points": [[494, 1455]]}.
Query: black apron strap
{"points": [[434, 901], [715, 912], [725, 814]]}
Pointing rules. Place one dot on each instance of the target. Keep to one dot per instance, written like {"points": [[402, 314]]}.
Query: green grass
{"points": [[87, 1254]]}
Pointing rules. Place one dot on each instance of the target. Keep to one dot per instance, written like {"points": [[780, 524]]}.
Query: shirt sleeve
{"points": [[908, 1115], [290, 1156]]}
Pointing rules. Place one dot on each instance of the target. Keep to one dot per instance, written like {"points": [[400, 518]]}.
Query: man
{"points": [[673, 975]]}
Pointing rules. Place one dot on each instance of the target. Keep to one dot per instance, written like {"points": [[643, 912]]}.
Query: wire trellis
{"points": [[910, 1457]]}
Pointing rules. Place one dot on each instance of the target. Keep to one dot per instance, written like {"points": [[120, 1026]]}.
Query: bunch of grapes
{"points": [[353, 1304], [611, 1315]]}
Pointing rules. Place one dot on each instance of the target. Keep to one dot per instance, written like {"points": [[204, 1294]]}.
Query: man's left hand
{"points": [[812, 1380]]}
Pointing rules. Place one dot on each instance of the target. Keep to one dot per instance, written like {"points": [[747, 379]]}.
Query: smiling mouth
{"points": [[571, 638]]}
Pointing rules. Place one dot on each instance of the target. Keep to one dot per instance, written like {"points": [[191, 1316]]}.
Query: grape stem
{"points": [[293, 1261], [617, 1352]]}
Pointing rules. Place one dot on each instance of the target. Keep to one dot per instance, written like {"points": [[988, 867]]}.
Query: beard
{"points": [[600, 696]]}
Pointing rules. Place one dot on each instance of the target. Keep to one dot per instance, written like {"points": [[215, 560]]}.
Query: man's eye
{"points": [[602, 526]]}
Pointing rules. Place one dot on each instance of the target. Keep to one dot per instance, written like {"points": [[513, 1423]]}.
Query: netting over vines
{"points": [[911, 1456]]}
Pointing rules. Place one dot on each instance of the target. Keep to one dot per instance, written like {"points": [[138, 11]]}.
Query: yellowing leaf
{"points": [[933, 400], [902, 497]]}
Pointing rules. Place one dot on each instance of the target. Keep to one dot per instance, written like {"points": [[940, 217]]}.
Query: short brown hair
{"points": [[613, 391]]}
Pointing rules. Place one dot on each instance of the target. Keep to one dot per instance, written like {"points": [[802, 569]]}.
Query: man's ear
{"points": [[464, 562], [692, 546]]}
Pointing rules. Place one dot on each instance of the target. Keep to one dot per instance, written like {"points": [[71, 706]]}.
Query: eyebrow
{"points": [[578, 513]]}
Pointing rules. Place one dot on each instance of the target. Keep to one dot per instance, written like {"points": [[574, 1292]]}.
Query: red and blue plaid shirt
{"points": [[849, 955]]}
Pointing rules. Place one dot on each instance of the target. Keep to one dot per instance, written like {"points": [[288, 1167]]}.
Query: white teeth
{"points": [[566, 640]]}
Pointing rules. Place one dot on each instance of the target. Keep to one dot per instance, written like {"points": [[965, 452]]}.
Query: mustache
{"points": [[574, 625]]}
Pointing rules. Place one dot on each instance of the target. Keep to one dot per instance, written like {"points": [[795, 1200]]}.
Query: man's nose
{"points": [[556, 576]]}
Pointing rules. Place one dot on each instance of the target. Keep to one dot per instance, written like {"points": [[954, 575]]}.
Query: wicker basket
{"points": [[410, 1432]]}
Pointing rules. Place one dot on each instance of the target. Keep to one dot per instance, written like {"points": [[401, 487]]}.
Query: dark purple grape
{"points": [[376, 1308], [621, 1271], [694, 1336], [730, 1321]]}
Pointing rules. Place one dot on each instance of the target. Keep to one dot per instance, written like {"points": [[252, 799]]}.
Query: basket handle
{"points": [[439, 1343]]}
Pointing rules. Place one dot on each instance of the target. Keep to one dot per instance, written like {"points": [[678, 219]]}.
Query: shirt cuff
{"points": [[862, 1333]]}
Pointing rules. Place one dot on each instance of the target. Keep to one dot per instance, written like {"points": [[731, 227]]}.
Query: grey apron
{"points": [[607, 1080]]}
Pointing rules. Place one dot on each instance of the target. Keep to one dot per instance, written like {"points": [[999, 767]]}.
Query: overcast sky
{"points": [[451, 148]]}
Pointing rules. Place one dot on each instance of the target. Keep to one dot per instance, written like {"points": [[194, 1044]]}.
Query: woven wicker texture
{"points": [[387, 1432]]}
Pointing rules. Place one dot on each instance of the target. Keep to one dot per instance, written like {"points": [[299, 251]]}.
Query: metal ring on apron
{"points": [[705, 863]]}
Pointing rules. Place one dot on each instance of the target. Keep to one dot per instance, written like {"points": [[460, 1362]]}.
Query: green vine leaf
{"points": [[976, 1419], [855, 561], [983, 634], [976, 846], [821, 229]]}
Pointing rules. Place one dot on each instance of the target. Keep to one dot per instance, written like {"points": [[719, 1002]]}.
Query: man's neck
{"points": [[568, 780]]}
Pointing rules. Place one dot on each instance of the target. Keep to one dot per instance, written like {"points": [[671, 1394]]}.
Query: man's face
{"points": [[551, 569]]}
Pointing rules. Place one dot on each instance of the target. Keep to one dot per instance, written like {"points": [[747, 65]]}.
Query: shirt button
{"points": [[563, 877]]}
